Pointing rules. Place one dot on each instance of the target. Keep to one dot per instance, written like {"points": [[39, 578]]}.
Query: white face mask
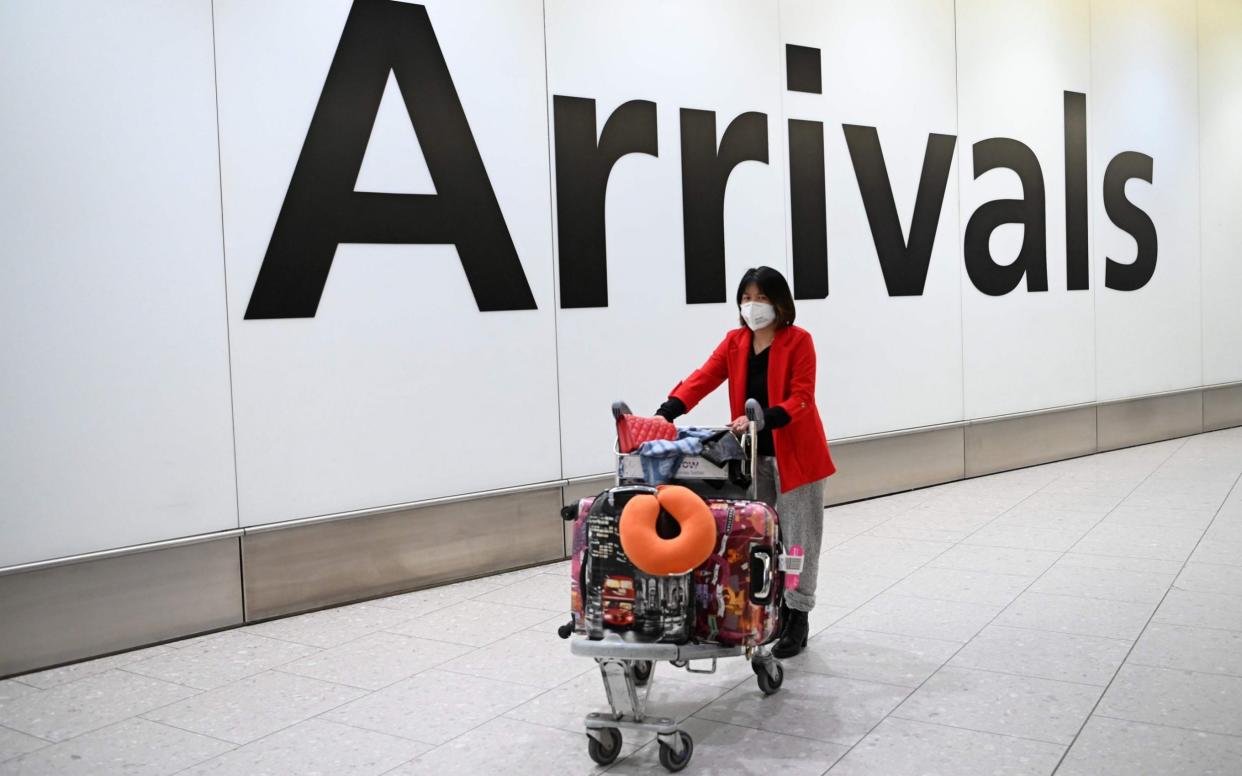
{"points": [[758, 315]]}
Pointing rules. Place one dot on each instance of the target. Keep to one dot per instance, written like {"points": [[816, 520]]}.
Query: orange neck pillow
{"points": [[656, 555]]}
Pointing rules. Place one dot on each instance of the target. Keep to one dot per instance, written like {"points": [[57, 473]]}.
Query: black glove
{"points": [[775, 417], [671, 409]]}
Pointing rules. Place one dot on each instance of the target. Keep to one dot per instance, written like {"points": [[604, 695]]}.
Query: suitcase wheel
{"points": [[769, 683]]}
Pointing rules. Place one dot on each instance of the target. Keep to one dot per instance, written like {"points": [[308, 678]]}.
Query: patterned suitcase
{"points": [[738, 589], [608, 593]]}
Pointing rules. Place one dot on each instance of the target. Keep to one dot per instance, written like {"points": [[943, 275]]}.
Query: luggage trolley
{"points": [[627, 666]]}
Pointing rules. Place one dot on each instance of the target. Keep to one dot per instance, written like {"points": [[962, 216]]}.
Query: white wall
{"points": [[1015, 58], [139, 402], [1220, 163], [885, 362], [1144, 97], [114, 392]]}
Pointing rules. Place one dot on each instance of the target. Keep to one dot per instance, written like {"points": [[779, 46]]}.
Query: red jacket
{"points": [[801, 445]]}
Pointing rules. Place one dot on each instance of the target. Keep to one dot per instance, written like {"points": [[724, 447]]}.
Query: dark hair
{"points": [[772, 284]]}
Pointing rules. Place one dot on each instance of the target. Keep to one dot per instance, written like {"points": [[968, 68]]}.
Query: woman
{"points": [[773, 361]]}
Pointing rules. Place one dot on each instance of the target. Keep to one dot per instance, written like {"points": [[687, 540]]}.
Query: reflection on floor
{"points": [[1083, 617]]}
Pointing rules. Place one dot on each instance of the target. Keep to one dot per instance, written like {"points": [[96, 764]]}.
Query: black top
{"points": [[757, 389]]}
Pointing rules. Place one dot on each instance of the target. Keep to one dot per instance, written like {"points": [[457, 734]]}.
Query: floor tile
{"points": [[1045, 517], [1210, 578], [1194, 649], [1114, 747], [1174, 698], [972, 587], [13, 743], [375, 660], [1205, 610], [996, 560], [1146, 565], [720, 748], [876, 657], [550, 625], [901, 747], [314, 748], [541, 591], [1095, 502], [1212, 549], [11, 689], [916, 529], [1171, 517], [474, 623], [1109, 584], [255, 706], [848, 590], [823, 616], [54, 677], [1044, 654], [217, 662], [1174, 498], [331, 627], [1023, 706], [433, 706], [134, 747], [825, 708], [881, 556], [1072, 614], [510, 747], [566, 706], [423, 601], [88, 704], [526, 657], [1139, 541], [903, 615], [1026, 537], [1115, 488]]}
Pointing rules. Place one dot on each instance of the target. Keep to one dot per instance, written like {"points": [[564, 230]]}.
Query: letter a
{"points": [[321, 208]]}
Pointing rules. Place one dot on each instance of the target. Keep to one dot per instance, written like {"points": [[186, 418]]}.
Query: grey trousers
{"points": [[802, 523]]}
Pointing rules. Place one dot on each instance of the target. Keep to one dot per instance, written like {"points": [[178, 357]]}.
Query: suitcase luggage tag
{"points": [[791, 564]]}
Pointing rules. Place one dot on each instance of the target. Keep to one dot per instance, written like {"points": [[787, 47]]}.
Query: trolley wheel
{"points": [[604, 750], [671, 761], [768, 683], [642, 672]]}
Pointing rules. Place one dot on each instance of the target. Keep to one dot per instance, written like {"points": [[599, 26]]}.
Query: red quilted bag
{"points": [[633, 430]]}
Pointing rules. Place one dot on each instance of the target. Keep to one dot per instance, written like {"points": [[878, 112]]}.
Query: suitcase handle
{"points": [[761, 566]]}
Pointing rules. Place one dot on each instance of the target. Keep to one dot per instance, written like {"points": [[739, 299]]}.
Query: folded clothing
{"points": [[660, 458]]}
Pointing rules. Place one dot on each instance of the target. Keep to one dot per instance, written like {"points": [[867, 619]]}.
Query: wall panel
{"points": [[1220, 156], [1144, 98], [1023, 350], [115, 387], [398, 388], [720, 57], [885, 362]]}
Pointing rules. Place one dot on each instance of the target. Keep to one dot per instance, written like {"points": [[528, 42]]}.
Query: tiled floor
{"points": [[1083, 617]]}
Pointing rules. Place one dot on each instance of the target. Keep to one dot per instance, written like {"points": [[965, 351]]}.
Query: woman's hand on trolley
{"points": [[740, 425]]}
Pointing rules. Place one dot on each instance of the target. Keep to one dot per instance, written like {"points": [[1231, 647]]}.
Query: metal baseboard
{"points": [[1149, 419], [1012, 443], [71, 612], [873, 467], [306, 567], [1222, 407]]}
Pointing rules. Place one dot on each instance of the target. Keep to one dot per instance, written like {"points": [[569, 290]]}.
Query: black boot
{"points": [[793, 635]]}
